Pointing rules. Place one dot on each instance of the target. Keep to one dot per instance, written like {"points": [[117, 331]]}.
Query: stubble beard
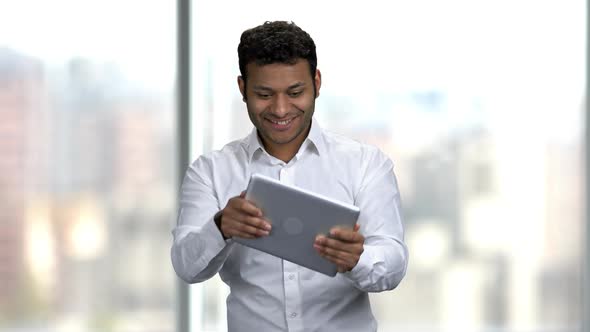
{"points": [[265, 135]]}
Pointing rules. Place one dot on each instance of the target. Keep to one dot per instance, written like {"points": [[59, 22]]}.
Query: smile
{"points": [[282, 122]]}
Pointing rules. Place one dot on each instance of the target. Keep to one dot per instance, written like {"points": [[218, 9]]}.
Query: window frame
{"points": [[183, 105]]}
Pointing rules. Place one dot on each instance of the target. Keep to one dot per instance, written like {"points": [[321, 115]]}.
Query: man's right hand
{"points": [[242, 218]]}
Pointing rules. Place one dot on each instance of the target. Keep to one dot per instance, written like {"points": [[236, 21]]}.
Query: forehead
{"points": [[278, 75]]}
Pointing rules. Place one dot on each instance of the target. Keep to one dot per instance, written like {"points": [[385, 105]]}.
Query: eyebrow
{"points": [[296, 85], [265, 88]]}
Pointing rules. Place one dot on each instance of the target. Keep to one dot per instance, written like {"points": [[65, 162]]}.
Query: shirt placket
{"points": [[291, 271]]}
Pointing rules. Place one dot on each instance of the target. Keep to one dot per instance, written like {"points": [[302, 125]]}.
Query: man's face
{"points": [[280, 100]]}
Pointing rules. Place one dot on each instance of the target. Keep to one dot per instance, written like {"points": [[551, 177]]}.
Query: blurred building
{"points": [[114, 181], [494, 228], [22, 96], [86, 185]]}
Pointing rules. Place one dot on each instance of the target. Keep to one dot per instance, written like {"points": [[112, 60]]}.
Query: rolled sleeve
{"points": [[383, 263], [198, 253], [198, 250]]}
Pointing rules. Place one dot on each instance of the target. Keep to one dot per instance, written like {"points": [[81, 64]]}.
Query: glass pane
{"points": [[88, 171], [480, 106]]}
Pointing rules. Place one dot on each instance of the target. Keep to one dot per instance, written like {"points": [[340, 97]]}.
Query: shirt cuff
{"points": [[216, 242]]}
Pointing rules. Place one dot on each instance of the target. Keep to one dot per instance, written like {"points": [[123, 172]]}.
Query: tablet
{"points": [[297, 217]]}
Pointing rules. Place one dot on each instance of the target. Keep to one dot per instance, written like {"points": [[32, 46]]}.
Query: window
{"points": [[480, 106], [88, 167]]}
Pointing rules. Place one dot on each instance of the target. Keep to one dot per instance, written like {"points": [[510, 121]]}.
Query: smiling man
{"points": [[279, 83]]}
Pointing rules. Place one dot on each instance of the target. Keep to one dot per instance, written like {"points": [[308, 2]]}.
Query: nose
{"points": [[281, 105]]}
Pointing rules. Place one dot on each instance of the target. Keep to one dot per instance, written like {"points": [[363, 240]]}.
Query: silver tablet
{"points": [[297, 217]]}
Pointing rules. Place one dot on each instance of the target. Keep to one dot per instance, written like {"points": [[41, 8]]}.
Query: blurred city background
{"points": [[87, 166], [480, 104]]}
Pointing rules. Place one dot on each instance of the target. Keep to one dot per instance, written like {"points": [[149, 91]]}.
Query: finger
{"points": [[247, 219], [344, 261], [250, 225], [339, 245], [243, 194], [255, 231], [354, 228], [259, 223], [342, 264], [247, 207], [347, 235], [249, 233], [240, 217], [344, 256], [232, 229]]}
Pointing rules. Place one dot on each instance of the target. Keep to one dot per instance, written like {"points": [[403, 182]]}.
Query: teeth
{"points": [[282, 123]]}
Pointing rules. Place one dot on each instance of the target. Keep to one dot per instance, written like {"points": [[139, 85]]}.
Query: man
{"points": [[279, 83]]}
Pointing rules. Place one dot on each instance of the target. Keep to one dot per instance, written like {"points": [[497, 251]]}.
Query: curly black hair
{"points": [[276, 42]]}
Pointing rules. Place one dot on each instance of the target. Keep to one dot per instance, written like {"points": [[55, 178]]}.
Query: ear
{"points": [[318, 82], [242, 87]]}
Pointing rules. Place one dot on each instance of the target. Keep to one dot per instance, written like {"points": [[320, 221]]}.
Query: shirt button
{"points": [[291, 277], [293, 314]]}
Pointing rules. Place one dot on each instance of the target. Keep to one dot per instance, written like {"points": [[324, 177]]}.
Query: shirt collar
{"points": [[253, 143], [315, 137]]}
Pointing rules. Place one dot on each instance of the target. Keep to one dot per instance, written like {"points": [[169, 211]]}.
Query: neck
{"points": [[286, 151]]}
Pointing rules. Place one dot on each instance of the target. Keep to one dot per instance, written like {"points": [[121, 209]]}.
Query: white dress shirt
{"points": [[271, 294]]}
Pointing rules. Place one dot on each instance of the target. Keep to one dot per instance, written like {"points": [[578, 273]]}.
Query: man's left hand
{"points": [[343, 247]]}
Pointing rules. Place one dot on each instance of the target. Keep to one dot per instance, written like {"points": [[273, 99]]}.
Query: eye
{"points": [[263, 95], [295, 94]]}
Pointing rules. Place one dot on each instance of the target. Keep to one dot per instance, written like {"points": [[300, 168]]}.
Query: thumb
{"points": [[243, 194], [356, 227]]}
